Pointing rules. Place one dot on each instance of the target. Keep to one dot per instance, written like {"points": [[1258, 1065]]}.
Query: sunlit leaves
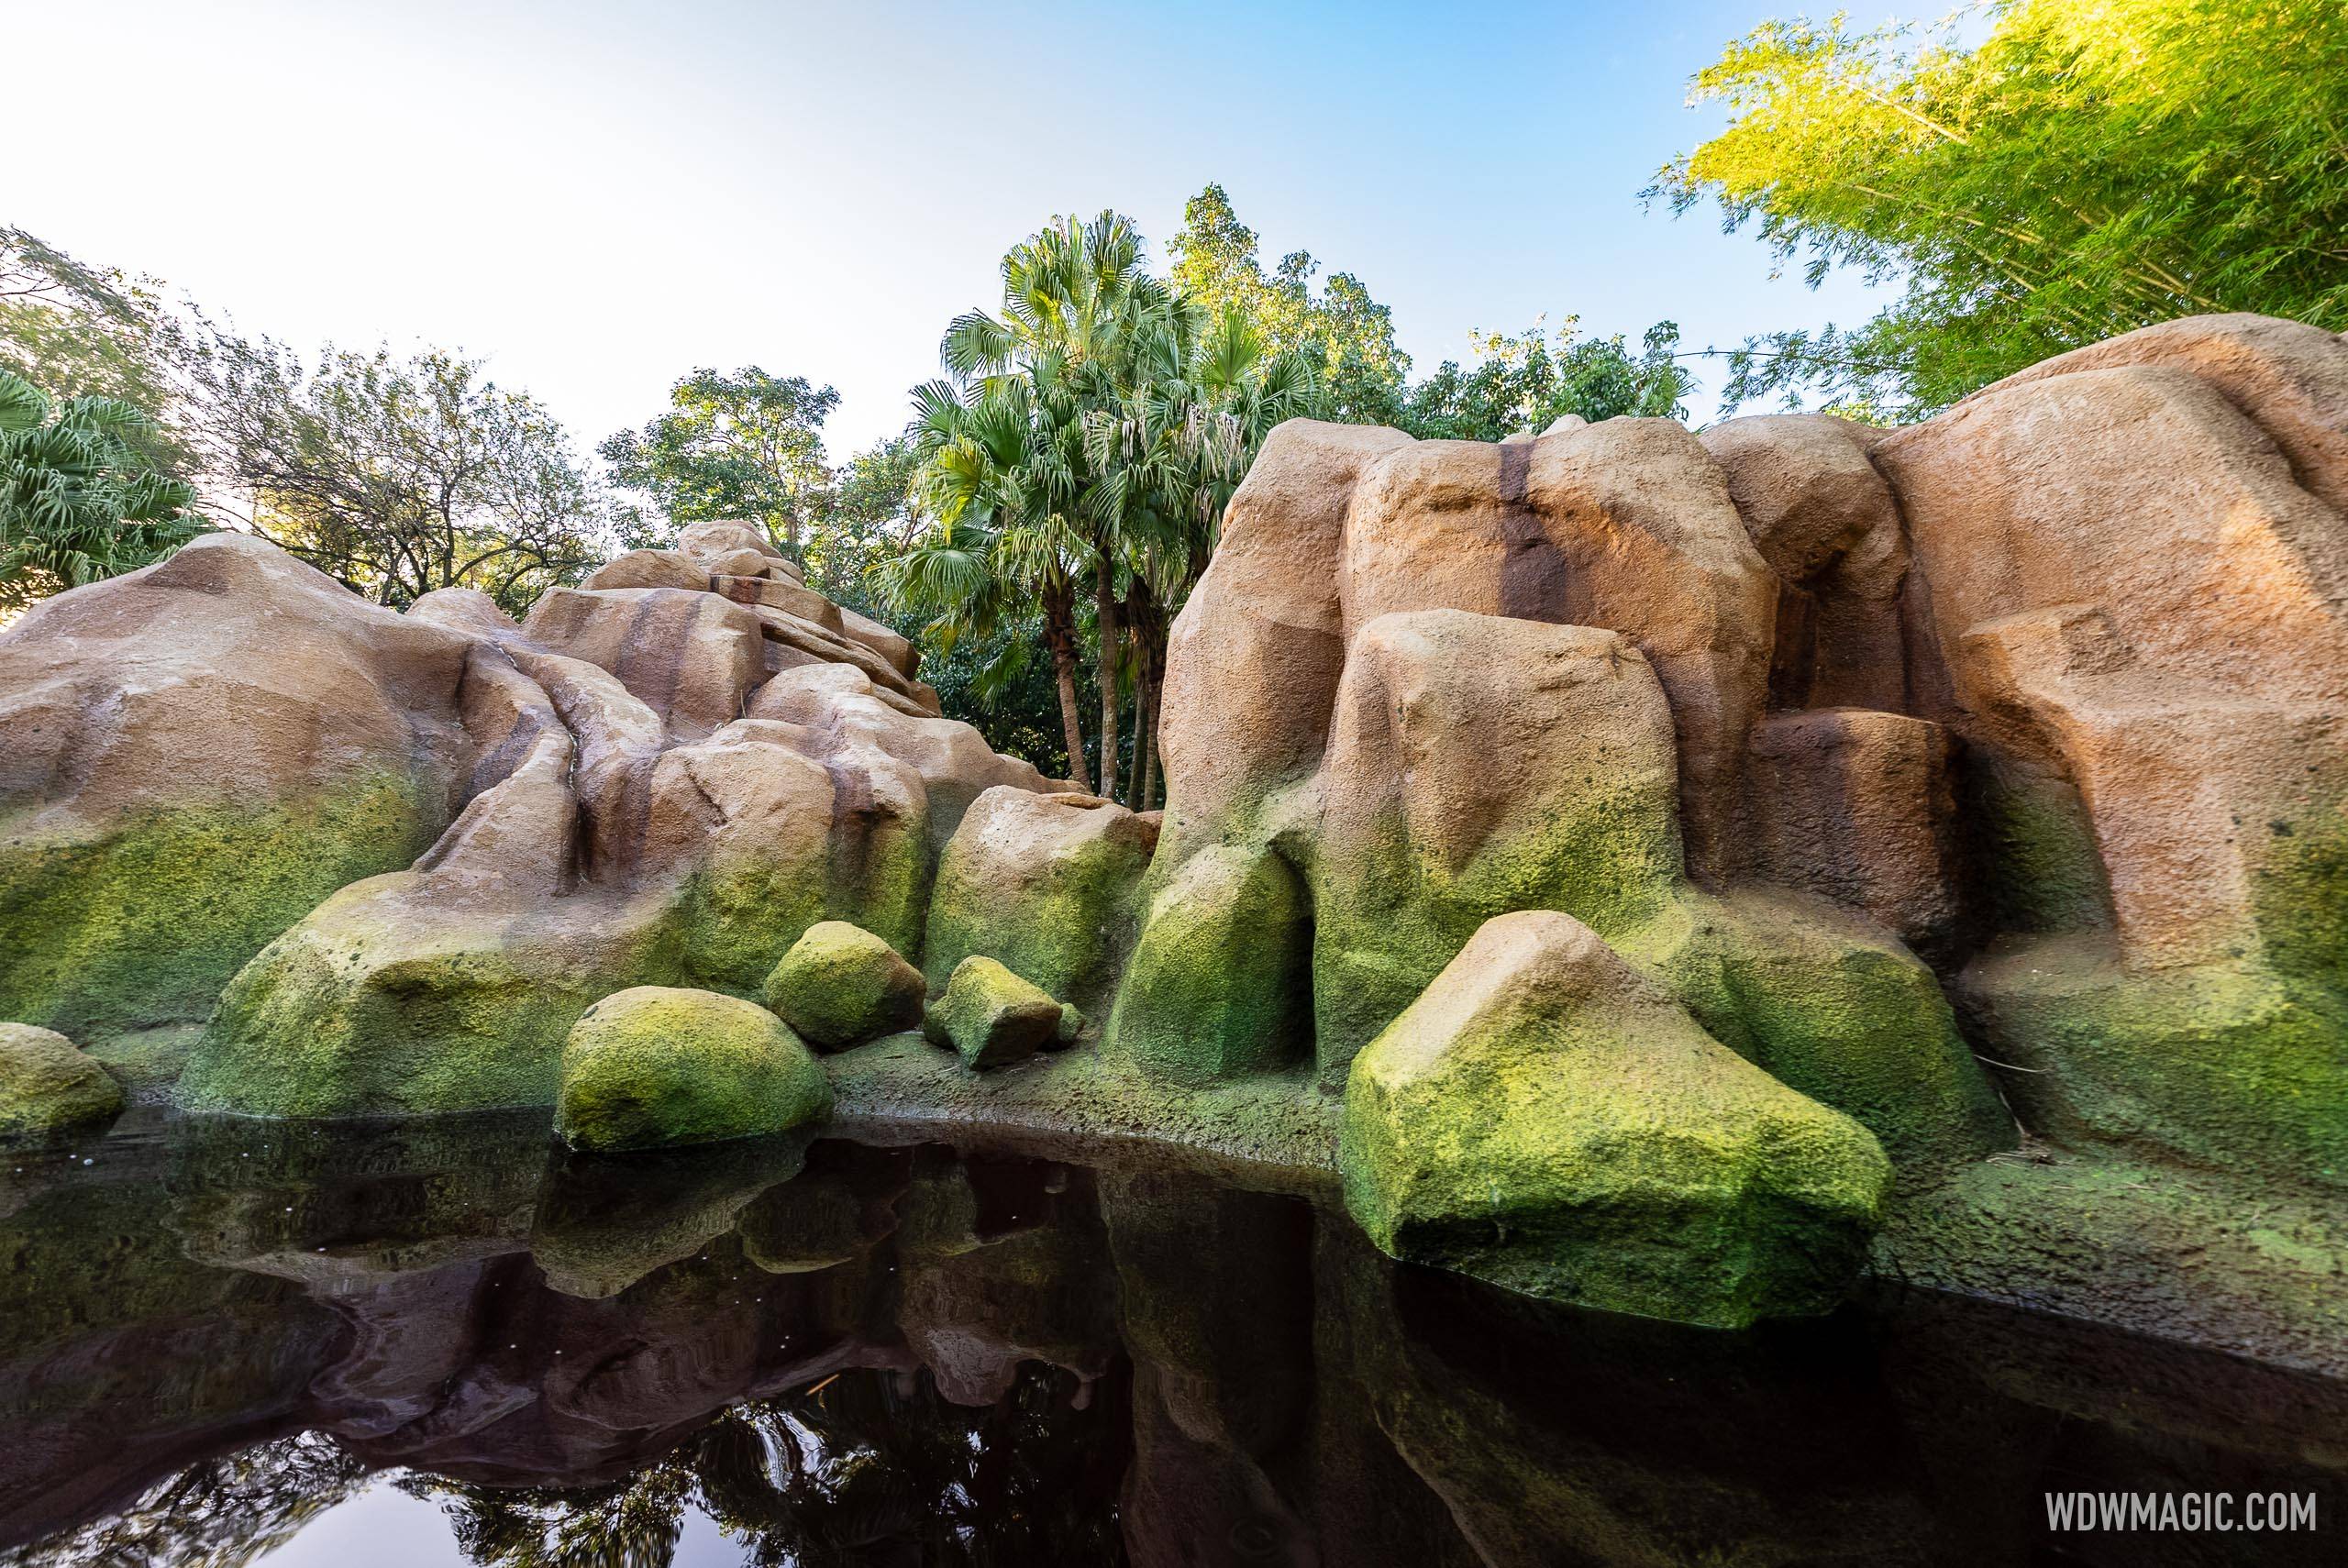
{"points": [[2088, 167], [79, 498]]}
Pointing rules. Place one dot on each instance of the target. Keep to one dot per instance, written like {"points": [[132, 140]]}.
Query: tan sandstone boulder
{"points": [[1480, 764], [692, 658], [198, 752], [1046, 884], [649, 569], [1826, 523], [2172, 712], [1627, 525]]}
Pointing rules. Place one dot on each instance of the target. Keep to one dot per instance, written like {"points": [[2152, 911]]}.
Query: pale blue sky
{"points": [[599, 196]]}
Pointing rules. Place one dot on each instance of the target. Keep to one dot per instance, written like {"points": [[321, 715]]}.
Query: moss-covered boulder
{"points": [[199, 752], [1833, 1006], [1549, 1119], [777, 828], [839, 984], [1220, 985], [48, 1084], [2232, 1065], [990, 1016], [657, 1065], [1048, 884], [1477, 765], [397, 997]]}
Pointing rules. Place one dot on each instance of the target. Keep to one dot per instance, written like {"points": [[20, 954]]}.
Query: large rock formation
{"points": [[1980, 780], [2051, 689], [198, 752], [392, 858]]}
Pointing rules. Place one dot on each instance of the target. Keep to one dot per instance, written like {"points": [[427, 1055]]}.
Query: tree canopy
{"points": [[401, 476], [1526, 381], [76, 331], [2088, 167], [747, 445], [1346, 334], [1079, 458], [81, 498]]}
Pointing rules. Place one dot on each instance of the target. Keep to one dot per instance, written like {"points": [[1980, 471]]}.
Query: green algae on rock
{"points": [[1045, 884], [1834, 1007], [839, 984], [147, 923], [48, 1084], [657, 1065], [387, 1000], [990, 1017], [1478, 764], [1220, 985], [1549, 1119]]}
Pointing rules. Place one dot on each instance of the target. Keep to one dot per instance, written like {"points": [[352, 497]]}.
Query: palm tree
{"points": [[991, 465], [1201, 395], [78, 498], [1096, 428], [1075, 298]]}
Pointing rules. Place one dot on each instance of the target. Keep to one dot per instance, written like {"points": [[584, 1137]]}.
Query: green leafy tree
{"points": [[1089, 438], [1074, 299], [1344, 334], [1526, 381], [2088, 167], [80, 496], [997, 471], [1200, 393], [749, 446], [402, 476], [81, 331]]}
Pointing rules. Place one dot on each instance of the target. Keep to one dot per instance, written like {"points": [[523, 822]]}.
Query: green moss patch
{"points": [[839, 984], [657, 1065], [1547, 1118], [990, 1017], [1390, 914], [1835, 1007], [2228, 1066], [388, 1001], [146, 924], [47, 1086], [1219, 987]]}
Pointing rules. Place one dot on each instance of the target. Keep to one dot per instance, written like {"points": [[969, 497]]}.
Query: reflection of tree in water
{"points": [[863, 1472], [216, 1513]]}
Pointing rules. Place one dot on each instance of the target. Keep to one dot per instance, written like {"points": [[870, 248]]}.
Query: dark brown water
{"points": [[449, 1345]]}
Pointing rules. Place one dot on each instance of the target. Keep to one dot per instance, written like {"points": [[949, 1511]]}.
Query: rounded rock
{"points": [[840, 985], [47, 1083], [655, 1065]]}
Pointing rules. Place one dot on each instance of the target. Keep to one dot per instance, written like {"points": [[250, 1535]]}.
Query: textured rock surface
{"points": [[198, 752], [1858, 806], [840, 984], [614, 824], [649, 569], [1044, 883], [990, 1017], [1547, 1118], [1480, 764], [2011, 747], [1221, 985], [655, 1065], [2138, 591], [47, 1084]]}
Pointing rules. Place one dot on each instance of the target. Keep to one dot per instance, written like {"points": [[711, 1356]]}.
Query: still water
{"points": [[222, 1342]]}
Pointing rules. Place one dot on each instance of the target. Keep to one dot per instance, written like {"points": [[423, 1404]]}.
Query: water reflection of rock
{"points": [[1048, 1357]]}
